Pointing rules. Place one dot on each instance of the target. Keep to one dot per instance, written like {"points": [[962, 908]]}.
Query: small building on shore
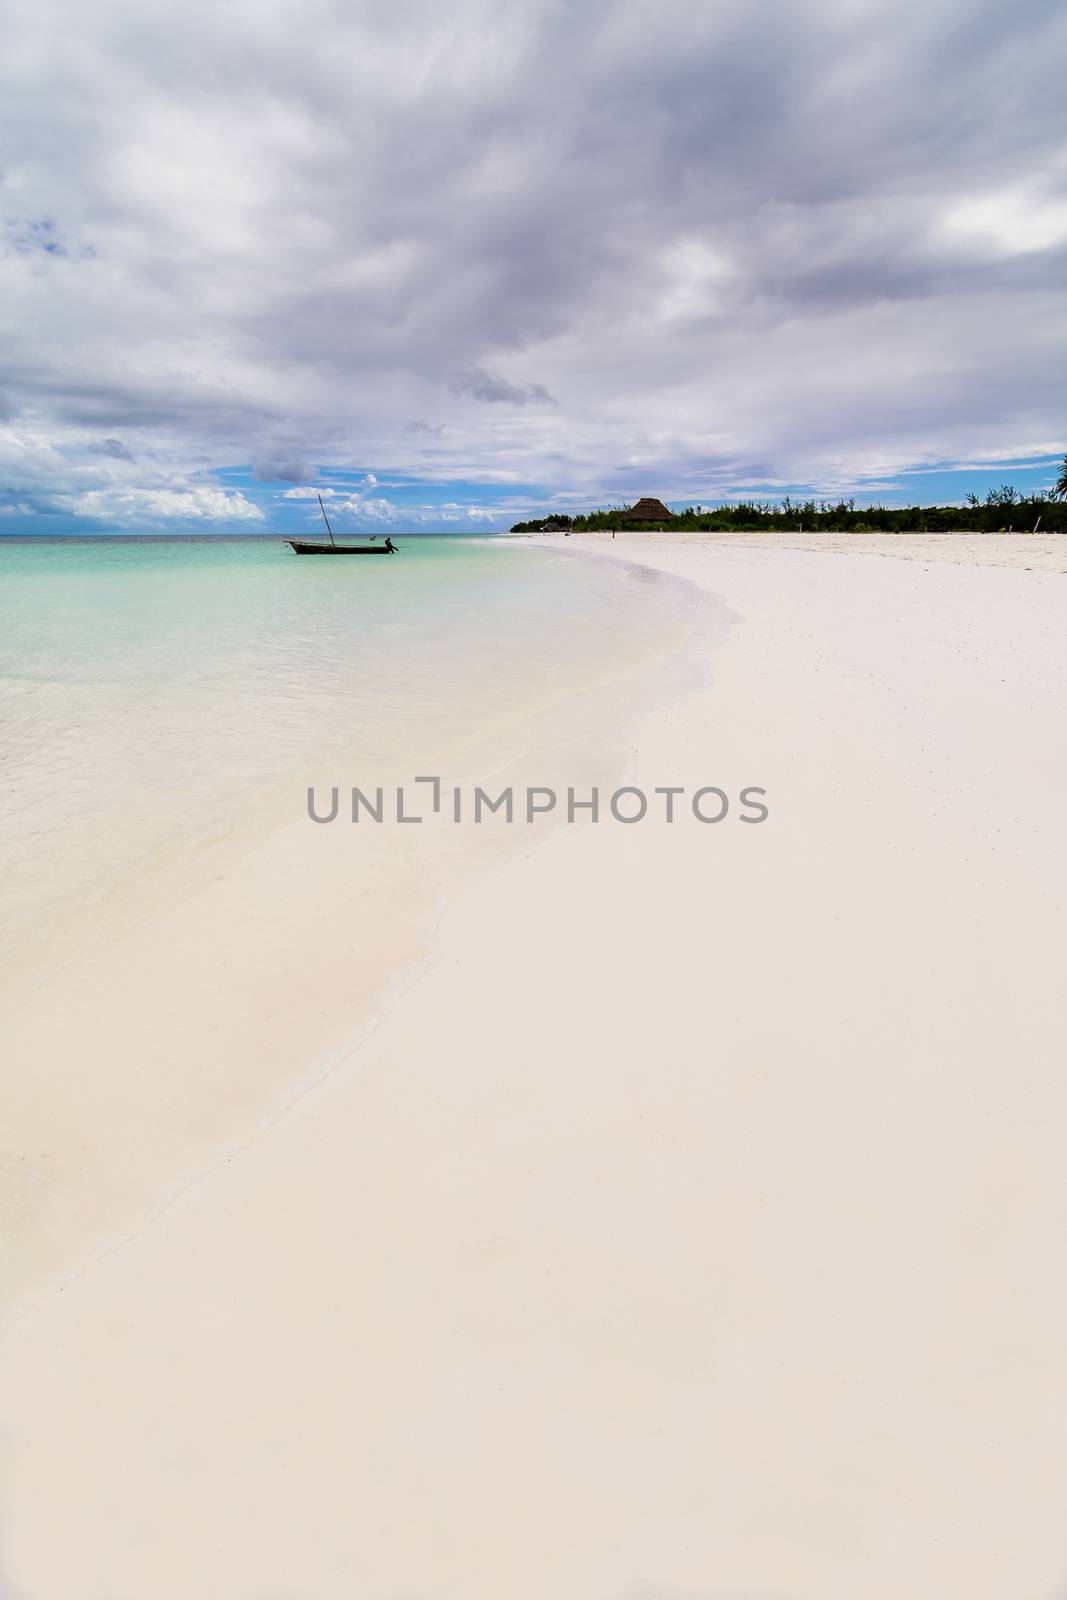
{"points": [[648, 511]]}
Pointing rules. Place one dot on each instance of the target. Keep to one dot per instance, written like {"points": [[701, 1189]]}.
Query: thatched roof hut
{"points": [[648, 511]]}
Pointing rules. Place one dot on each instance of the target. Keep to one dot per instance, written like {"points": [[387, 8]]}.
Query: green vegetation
{"points": [[1001, 511]]}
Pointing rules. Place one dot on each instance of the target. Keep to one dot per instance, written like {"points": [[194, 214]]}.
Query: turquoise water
{"points": [[152, 690]]}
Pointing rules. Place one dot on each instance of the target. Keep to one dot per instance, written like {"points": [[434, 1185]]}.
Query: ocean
{"points": [[158, 692]]}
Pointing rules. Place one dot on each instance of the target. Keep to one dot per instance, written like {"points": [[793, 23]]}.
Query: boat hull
{"points": [[304, 548]]}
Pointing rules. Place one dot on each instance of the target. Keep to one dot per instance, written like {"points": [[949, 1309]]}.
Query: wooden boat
{"points": [[307, 547]]}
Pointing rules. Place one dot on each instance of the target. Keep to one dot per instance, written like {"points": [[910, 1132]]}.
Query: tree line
{"points": [[1003, 510]]}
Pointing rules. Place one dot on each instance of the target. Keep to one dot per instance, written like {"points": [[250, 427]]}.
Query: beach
{"points": [[686, 1223], [182, 950]]}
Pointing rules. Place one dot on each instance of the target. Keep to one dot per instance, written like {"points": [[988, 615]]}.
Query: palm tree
{"points": [[1060, 491]]}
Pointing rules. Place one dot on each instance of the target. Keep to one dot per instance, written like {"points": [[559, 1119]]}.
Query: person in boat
{"points": [[390, 546]]}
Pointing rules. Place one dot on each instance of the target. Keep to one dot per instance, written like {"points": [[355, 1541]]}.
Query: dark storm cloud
{"points": [[817, 236]]}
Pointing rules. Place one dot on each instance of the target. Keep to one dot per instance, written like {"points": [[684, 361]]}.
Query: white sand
{"points": [[693, 1227]]}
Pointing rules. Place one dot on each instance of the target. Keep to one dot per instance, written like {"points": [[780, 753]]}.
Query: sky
{"points": [[456, 265]]}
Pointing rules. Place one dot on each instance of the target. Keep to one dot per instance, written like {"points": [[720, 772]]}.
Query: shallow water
{"points": [[152, 690]]}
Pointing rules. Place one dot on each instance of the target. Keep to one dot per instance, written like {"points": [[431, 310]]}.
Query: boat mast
{"points": [[325, 518]]}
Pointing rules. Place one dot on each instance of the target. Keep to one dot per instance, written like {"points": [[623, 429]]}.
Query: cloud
{"points": [[367, 509], [453, 511], [101, 479], [165, 505], [476, 384], [33, 235], [28, 461], [282, 468], [831, 244], [1012, 222], [115, 449]]}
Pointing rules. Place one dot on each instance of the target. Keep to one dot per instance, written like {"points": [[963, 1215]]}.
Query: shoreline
{"points": [[1029, 551], [184, 1013], [696, 1209]]}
